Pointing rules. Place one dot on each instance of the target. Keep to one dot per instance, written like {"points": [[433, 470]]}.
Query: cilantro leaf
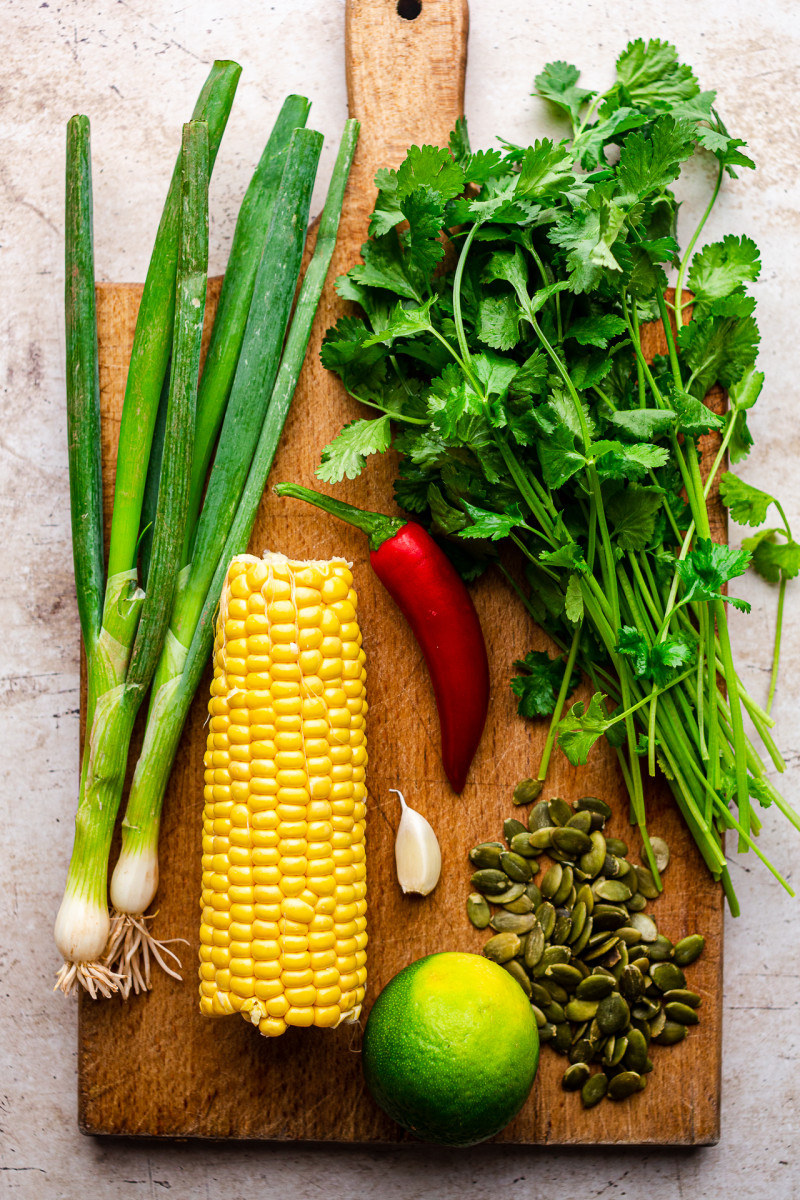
{"points": [[588, 235], [596, 330], [625, 460], [494, 372], [656, 663], [537, 689], [694, 417], [648, 162], [631, 514], [530, 377], [581, 727], [383, 267], [557, 455], [573, 600], [747, 504], [569, 556], [651, 74], [742, 396], [492, 525], [404, 322], [445, 519], [424, 211], [346, 455], [546, 170], [720, 268], [708, 567], [642, 424], [718, 350], [430, 166], [498, 320], [771, 559], [558, 83]]}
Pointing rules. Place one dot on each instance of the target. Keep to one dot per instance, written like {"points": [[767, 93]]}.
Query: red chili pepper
{"points": [[432, 597]]}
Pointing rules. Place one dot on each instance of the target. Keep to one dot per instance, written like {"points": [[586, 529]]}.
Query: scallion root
{"points": [[130, 949]]}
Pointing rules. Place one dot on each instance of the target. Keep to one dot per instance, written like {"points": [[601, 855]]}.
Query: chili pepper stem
{"points": [[378, 527]]}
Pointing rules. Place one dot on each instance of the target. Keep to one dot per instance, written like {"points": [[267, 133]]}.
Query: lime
{"points": [[451, 1048]]}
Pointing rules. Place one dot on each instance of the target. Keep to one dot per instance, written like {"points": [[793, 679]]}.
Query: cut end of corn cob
{"points": [[283, 931]]}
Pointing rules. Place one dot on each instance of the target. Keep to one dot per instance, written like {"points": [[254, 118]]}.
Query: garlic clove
{"points": [[416, 851]]}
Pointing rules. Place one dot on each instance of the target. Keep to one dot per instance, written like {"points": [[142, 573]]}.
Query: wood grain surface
{"points": [[152, 1065]]}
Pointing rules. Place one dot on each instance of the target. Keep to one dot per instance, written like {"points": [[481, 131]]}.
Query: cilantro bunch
{"points": [[503, 295]]}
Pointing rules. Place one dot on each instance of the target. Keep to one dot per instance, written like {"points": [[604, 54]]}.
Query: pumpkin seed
{"points": [[571, 841], [572, 898], [660, 853], [478, 910], [540, 838], [555, 990], [643, 963], [539, 816], [523, 904], [645, 925], [601, 948], [516, 971], [646, 1009], [521, 844], [636, 1051], [562, 928], [657, 1024], [489, 881], [546, 915], [578, 921], [513, 892], [516, 867], [617, 846], [539, 1016], [551, 881], [534, 894], [594, 1090], [612, 890], [551, 955], [594, 987], [609, 916], [502, 948], [563, 1039], [575, 1077], [555, 1013], [671, 1033], [527, 790], [547, 1032], [592, 860], [629, 935], [581, 1051], [613, 1014], [581, 1010], [667, 976], [682, 996], [586, 896], [647, 884], [592, 804], [580, 820], [560, 811], [637, 902], [623, 1085], [487, 854], [579, 946], [568, 976], [511, 827], [681, 1013], [506, 922], [534, 946], [565, 887], [612, 867], [631, 984], [659, 950], [688, 949]]}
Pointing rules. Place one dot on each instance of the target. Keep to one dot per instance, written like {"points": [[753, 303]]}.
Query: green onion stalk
{"points": [[263, 387], [123, 652]]}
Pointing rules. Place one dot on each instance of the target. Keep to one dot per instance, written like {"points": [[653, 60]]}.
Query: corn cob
{"points": [[283, 932]]}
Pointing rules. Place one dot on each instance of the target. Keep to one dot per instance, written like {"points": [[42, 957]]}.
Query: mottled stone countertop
{"points": [[133, 66]]}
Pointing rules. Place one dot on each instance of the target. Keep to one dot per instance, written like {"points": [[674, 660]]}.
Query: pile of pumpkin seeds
{"points": [[603, 982]]}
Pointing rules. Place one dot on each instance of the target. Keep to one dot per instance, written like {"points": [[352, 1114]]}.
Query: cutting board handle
{"points": [[405, 83]]}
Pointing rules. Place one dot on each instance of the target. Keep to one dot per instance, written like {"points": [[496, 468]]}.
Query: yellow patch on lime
{"points": [[451, 1048]]}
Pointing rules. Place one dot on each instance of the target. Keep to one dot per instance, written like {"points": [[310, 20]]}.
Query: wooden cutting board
{"points": [[153, 1065]]}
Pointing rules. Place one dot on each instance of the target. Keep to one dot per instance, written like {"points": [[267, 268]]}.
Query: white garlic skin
{"points": [[416, 852]]}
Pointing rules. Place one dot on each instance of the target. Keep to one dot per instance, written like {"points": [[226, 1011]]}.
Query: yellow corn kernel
{"points": [[282, 937]]}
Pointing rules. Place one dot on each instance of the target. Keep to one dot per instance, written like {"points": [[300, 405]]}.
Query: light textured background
{"points": [[135, 69]]}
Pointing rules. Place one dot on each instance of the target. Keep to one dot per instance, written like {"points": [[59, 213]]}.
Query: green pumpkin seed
{"points": [[506, 922], [575, 1077], [565, 887], [539, 816], [613, 1014], [682, 996], [629, 935], [523, 904], [645, 925], [518, 972], [581, 1051], [521, 844], [478, 910], [502, 948], [511, 827], [547, 1032], [541, 838], [681, 1013], [631, 984], [657, 1024], [487, 854], [512, 893], [592, 861], [660, 853], [546, 915], [671, 1033], [568, 976], [586, 897], [636, 1051], [593, 805], [617, 847], [579, 946], [562, 928], [578, 921], [620, 1049], [580, 820], [572, 898], [527, 790], [555, 990], [647, 884], [539, 1016], [551, 880], [516, 867], [594, 1090], [534, 894], [563, 1039], [637, 902], [613, 867], [555, 1013], [581, 1010], [551, 955], [601, 948], [688, 949], [612, 890], [609, 916], [623, 1085], [560, 811], [659, 950], [534, 946], [489, 881], [642, 962], [571, 841], [594, 987], [667, 976], [540, 995], [646, 1009]]}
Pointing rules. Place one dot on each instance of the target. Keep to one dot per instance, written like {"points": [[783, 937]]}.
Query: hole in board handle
{"points": [[409, 10]]}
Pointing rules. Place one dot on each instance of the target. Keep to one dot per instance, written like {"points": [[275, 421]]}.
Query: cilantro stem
{"points": [[737, 725], [773, 682], [639, 370], [457, 314], [671, 348], [559, 707], [680, 304]]}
